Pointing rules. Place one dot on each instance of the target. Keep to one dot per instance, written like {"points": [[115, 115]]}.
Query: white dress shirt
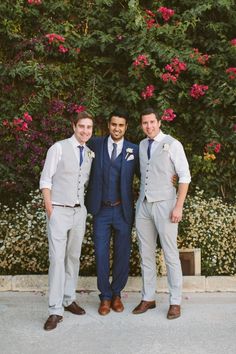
{"points": [[53, 157], [177, 156], [110, 145]]}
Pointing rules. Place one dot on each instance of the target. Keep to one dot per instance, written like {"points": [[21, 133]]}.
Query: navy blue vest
{"points": [[111, 177]]}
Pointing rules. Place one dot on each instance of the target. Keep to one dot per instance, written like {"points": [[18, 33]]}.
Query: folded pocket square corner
{"points": [[131, 157]]}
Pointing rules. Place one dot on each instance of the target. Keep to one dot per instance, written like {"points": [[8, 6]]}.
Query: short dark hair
{"points": [[119, 112], [76, 116], [149, 110]]}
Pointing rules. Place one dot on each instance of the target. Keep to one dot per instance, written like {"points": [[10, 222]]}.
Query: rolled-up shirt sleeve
{"points": [[50, 166], [180, 162]]}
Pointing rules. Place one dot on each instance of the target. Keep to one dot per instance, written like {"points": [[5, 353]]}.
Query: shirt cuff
{"points": [[184, 180], [44, 184]]}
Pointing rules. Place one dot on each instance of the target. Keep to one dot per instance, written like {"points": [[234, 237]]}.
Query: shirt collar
{"points": [[75, 142], [119, 143], [160, 136]]}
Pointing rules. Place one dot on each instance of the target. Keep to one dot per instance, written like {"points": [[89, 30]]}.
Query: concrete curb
{"points": [[190, 283]]}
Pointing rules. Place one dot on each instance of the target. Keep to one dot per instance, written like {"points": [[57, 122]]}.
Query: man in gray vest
{"points": [[159, 210], [65, 173]]}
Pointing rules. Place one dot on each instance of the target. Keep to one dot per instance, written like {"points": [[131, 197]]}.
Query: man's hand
{"points": [[174, 180], [176, 215], [47, 201]]}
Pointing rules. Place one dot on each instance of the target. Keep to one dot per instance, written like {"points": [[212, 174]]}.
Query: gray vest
{"points": [[156, 173], [69, 180]]}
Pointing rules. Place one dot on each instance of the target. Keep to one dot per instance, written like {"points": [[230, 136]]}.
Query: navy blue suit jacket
{"points": [[93, 198]]}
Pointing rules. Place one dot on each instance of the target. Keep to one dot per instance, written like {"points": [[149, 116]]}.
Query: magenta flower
{"points": [[53, 37], [62, 49], [175, 68], [168, 77], [168, 115], [233, 42], [80, 108], [34, 2], [27, 117], [232, 73], [148, 92], [198, 91], [141, 61], [166, 13], [213, 146]]}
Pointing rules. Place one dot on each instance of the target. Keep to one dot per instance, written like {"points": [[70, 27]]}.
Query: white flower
{"points": [[91, 154], [166, 147], [129, 150]]}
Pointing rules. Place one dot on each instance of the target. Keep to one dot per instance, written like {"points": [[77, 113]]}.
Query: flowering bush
{"points": [[209, 224], [178, 56]]}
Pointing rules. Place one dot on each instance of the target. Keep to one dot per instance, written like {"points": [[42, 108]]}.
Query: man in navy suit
{"points": [[110, 200]]}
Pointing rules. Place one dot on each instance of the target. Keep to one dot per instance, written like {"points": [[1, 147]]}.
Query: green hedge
{"points": [[209, 224]]}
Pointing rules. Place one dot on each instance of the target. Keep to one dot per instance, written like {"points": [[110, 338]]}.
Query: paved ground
{"points": [[207, 326]]}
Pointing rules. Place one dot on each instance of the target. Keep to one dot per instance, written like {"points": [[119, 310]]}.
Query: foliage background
{"points": [[90, 62]]}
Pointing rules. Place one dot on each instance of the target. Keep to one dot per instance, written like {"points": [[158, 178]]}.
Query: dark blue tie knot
{"points": [[81, 148]]}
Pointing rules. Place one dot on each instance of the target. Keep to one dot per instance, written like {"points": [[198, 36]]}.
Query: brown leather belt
{"points": [[110, 204], [67, 206]]}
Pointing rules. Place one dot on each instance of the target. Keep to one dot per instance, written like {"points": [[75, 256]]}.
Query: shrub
{"points": [[209, 224]]}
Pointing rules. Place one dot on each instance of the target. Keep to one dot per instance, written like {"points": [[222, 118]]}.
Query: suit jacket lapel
{"points": [[123, 161], [103, 147]]}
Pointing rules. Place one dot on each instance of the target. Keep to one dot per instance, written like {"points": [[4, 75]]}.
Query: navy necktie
{"points": [[81, 148], [150, 141], [114, 152]]}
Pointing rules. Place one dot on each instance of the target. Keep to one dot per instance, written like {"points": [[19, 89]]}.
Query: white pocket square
{"points": [[131, 157]]}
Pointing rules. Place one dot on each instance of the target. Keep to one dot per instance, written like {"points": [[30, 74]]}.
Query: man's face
{"points": [[117, 127], [83, 130], [150, 125]]}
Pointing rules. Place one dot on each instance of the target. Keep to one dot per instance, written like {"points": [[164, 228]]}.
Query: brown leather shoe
{"points": [[104, 307], [75, 309], [174, 312], [52, 322], [116, 304], [143, 307]]}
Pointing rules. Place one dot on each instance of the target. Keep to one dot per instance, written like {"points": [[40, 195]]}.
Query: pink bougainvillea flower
{"points": [[213, 146], [27, 117], [5, 122], [141, 60], [34, 2], [166, 13], [148, 92], [232, 73], [233, 42], [201, 58], [53, 37], [198, 91], [168, 77], [168, 115], [174, 69], [80, 108], [62, 49], [150, 19]]}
